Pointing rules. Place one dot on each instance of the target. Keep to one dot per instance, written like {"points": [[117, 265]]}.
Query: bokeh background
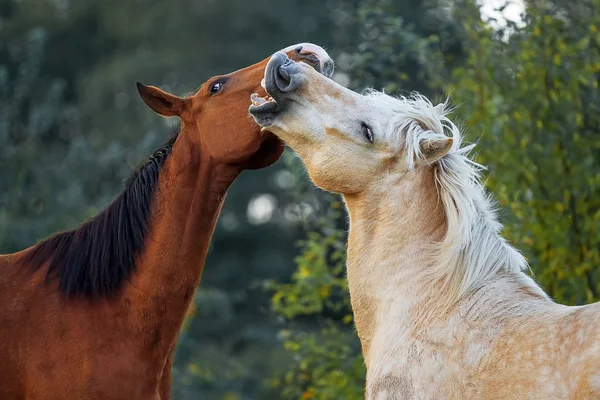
{"points": [[271, 318]]}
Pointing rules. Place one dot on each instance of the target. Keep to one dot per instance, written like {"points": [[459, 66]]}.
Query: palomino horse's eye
{"points": [[217, 86], [367, 132]]}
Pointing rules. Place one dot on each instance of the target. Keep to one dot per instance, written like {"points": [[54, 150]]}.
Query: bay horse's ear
{"points": [[161, 102], [433, 150]]}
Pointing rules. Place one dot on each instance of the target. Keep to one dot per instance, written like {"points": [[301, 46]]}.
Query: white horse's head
{"points": [[349, 141], [374, 146]]}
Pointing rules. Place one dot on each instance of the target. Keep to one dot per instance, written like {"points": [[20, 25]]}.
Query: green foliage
{"points": [[326, 366], [403, 44], [319, 283], [534, 101]]}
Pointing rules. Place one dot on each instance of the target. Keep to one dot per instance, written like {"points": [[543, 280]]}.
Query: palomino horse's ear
{"points": [[433, 150], [161, 102]]}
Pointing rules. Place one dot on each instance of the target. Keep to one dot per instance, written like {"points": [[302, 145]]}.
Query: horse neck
{"points": [[389, 268], [389, 242], [191, 190]]}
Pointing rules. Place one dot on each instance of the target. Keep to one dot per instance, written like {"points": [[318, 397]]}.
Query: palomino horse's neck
{"points": [[191, 191], [391, 229]]}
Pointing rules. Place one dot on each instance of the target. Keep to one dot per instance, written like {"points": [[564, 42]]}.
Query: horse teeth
{"points": [[257, 100]]}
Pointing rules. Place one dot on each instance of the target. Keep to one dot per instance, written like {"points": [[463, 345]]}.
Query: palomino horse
{"points": [[443, 307], [94, 313]]}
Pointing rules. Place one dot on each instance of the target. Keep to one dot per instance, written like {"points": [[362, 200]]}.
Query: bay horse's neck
{"points": [[388, 246], [191, 190]]}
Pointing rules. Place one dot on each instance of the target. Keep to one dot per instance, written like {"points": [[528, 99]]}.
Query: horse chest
{"points": [[414, 371], [441, 364]]}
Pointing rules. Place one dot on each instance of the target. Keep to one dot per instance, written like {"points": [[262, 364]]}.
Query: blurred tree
{"points": [[533, 97], [33, 129], [405, 44]]}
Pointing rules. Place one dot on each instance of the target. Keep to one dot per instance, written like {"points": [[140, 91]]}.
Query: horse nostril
{"points": [[328, 68], [309, 57], [284, 74]]}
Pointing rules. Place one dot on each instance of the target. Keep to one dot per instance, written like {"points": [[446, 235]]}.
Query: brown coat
{"points": [[95, 313]]}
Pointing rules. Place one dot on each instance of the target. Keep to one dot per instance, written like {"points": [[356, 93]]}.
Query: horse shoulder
{"points": [[583, 329]]}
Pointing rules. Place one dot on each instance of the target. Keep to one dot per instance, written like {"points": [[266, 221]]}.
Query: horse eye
{"points": [[216, 87], [367, 132]]}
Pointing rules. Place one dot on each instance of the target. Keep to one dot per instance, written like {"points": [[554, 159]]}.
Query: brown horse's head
{"points": [[217, 114]]}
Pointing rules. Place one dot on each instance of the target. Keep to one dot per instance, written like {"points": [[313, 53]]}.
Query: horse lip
{"points": [[266, 107]]}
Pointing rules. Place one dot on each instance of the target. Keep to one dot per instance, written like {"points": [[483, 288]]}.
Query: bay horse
{"points": [[95, 312], [443, 305]]}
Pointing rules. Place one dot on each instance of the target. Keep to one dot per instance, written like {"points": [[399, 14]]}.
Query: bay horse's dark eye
{"points": [[217, 86], [367, 132]]}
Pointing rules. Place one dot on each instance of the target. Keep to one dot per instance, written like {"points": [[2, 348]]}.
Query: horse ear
{"points": [[161, 102], [433, 150]]}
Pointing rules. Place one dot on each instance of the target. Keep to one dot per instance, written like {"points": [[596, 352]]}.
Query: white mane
{"points": [[472, 251]]}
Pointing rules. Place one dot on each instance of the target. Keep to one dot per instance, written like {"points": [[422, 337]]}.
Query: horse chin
{"points": [[269, 151]]}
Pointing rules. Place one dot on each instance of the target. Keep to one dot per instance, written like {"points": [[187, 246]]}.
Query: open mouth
{"points": [[265, 108], [282, 79], [262, 104]]}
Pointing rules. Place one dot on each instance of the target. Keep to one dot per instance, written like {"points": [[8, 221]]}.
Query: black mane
{"points": [[96, 258]]}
